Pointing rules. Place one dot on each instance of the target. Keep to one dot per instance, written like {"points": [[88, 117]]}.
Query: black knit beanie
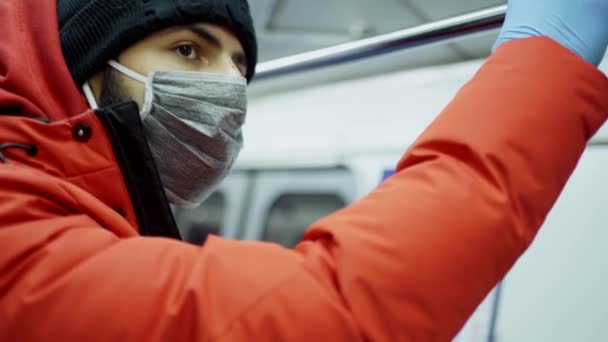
{"points": [[94, 31]]}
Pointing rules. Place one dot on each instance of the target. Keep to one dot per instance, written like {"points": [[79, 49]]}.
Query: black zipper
{"points": [[125, 131]]}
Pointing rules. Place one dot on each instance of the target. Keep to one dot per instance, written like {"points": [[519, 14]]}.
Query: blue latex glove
{"points": [[579, 25]]}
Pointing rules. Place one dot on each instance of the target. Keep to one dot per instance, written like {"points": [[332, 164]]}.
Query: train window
{"points": [[291, 214], [196, 224]]}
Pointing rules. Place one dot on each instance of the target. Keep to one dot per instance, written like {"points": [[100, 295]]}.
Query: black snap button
{"points": [[32, 151], [82, 132]]}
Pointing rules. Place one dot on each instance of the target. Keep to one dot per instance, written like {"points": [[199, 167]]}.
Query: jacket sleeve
{"points": [[410, 262]]}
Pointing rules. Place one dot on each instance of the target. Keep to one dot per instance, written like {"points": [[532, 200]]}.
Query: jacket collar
{"points": [[103, 152], [125, 131]]}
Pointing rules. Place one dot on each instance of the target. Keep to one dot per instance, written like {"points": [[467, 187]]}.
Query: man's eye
{"points": [[187, 51]]}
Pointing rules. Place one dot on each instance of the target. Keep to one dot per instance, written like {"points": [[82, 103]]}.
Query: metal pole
{"points": [[439, 31]]}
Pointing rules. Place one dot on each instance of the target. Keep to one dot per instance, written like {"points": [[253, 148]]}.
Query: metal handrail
{"points": [[438, 31]]}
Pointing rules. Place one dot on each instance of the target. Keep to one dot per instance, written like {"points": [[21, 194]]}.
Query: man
{"points": [[89, 250]]}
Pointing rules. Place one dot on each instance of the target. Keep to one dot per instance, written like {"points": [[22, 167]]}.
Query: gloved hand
{"points": [[579, 25]]}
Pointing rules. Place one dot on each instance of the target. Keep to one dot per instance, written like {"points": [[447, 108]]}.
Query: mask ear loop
{"points": [[128, 72], [88, 94], [147, 106]]}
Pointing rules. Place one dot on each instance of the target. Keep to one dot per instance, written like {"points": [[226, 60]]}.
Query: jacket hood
{"points": [[34, 78], [102, 156]]}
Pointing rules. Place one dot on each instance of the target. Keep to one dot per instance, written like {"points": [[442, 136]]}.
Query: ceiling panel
{"points": [[288, 27], [342, 16], [439, 9], [262, 10]]}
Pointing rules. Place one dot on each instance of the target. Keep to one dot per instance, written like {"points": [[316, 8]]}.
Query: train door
{"points": [[284, 203], [219, 214]]}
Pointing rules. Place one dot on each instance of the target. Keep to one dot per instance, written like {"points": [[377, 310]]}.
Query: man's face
{"points": [[199, 47]]}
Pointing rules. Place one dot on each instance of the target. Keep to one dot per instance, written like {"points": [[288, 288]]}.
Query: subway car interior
{"points": [[333, 108]]}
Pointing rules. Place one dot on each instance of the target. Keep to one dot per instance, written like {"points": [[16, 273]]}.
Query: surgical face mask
{"points": [[193, 126]]}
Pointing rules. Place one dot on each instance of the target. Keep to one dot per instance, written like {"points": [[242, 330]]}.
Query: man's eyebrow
{"points": [[206, 35]]}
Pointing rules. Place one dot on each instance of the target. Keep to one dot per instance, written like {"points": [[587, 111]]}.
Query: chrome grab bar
{"points": [[438, 31]]}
